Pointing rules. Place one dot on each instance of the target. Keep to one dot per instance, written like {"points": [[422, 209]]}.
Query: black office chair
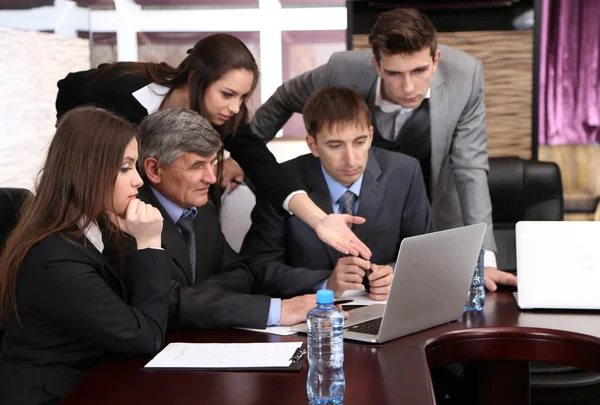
{"points": [[524, 190], [521, 190], [11, 201]]}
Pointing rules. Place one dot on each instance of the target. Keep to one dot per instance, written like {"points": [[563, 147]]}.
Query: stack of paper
{"points": [[225, 355]]}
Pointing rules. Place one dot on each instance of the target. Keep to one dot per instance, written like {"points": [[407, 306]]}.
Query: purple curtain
{"points": [[569, 99]]}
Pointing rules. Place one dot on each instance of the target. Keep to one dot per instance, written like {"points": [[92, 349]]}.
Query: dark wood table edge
{"points": [[513, 343], [497, 359]]}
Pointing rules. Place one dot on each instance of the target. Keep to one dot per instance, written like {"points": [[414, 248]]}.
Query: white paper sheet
{"points": [[274, 330], [358, 297], [225, 355]]}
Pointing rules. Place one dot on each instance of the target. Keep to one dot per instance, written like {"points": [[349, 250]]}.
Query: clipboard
{"points": [[272, 356]]}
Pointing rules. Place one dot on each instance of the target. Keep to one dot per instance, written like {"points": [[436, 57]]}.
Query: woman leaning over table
{"points": [[215, 79]]}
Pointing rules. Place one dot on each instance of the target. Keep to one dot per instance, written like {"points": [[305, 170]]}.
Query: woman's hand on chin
{"points": [[142, 221]]}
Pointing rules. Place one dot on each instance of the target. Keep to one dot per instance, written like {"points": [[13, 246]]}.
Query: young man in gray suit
{"points": [[343, 175], [427, 101]]}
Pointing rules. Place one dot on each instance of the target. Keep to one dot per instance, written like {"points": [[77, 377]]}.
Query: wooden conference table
{"points": [[500, 341]]}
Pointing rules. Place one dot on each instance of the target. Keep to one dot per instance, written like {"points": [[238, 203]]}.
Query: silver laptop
{"points": [[558, 264], [430, 285]]}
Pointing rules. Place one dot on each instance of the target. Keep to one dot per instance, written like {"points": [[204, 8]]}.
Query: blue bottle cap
{"points": [[324, 297]]}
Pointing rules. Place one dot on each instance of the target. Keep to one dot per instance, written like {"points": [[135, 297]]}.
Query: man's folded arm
{"points": [[202, 306]]}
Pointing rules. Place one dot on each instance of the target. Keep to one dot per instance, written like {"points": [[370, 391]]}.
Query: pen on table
{"points": [[342, 302]]}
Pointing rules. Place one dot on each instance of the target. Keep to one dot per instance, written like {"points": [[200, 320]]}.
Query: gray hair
{"points": [[167, 134]]}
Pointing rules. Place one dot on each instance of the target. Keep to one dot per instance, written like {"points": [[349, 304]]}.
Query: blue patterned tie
{"points": [[347, 201]]}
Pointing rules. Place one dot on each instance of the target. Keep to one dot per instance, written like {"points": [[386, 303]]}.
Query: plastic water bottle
{"points": [[326, 382], [476, 296]]}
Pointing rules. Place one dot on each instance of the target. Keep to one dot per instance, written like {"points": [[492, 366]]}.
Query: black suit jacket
{"points": [[286, 256], [110, 87], [221, 296], [75, 310]]}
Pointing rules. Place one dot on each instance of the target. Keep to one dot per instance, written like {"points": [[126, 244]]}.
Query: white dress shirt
{"points": [[93, 234], [391, 112]]}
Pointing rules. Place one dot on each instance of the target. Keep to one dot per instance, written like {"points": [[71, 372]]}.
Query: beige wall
{"points": [[30, 64]]}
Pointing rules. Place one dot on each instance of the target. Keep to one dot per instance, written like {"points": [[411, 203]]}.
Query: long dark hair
{"points": [[208, 61], [71, 191]]}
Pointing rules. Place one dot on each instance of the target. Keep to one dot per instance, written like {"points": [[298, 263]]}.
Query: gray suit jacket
{"points": [[459, 159], [287, 258]]}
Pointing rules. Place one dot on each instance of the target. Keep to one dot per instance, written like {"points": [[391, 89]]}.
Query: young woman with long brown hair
{"points": [[215, 79], [62, 305]]}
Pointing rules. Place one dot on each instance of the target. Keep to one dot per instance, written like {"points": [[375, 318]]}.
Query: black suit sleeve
{"points": [[83, 88], [416, 217], [272, 180], [265, 250], [224, 299], [108, 86], [76, 297], [69, 93]]}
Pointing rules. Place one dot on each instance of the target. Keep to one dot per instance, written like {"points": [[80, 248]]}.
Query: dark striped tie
{"points": [[347, 201], [187, 231]]}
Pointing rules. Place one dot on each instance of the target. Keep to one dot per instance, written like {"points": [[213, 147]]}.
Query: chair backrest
{"points": [[521, 190], [11, 201], [235, 215]]}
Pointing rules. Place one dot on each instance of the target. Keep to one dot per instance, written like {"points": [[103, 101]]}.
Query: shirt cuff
{"points": [[321, 285], [286, 202], [489, 259], [274, 312]]}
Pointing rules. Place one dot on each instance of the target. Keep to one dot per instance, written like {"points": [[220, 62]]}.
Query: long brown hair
{"points": [[75, 183], [208, 61]]}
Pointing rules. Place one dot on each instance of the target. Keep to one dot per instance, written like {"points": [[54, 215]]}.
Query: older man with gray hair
{"points": [[212, 287]]}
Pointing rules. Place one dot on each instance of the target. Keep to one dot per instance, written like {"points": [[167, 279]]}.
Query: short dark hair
{"points": [[402, 31], [333, 106]]}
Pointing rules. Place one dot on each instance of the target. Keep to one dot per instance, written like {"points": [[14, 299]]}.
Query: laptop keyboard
{"points": [[368, 327]]}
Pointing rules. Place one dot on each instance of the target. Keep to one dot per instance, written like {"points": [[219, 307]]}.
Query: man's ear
{"points": [[375, 63], [370, 135], [312, 145], [436, 60], [152, 170]]}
